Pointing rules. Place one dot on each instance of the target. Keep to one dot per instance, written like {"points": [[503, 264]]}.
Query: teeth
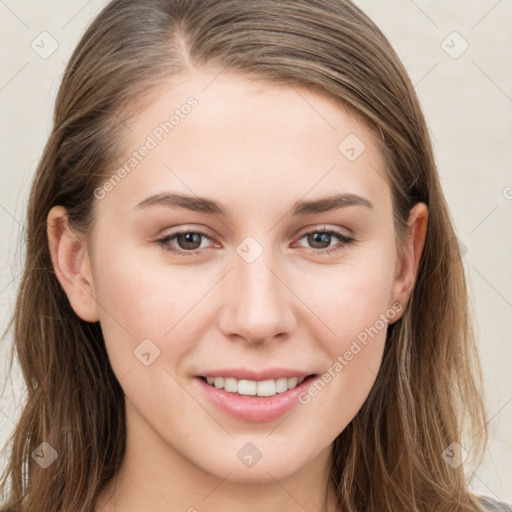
{"points": [[252, 387]]}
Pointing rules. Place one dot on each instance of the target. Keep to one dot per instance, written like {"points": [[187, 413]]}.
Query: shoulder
{"points": [[494, 506]]}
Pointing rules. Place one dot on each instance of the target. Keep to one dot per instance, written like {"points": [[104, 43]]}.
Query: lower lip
{"points": [[254, 408]]}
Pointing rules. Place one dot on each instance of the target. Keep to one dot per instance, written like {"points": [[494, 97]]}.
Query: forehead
{"points": [[249, 142]]}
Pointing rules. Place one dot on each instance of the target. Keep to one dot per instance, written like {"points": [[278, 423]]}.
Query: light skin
{"points": [[256, 149]]}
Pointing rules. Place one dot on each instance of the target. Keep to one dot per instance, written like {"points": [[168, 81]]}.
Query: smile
{"points": [[267, 387], [254, 401]]}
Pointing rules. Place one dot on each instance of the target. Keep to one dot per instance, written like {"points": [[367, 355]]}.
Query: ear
{"points": [[70, 259], [406, 268]]}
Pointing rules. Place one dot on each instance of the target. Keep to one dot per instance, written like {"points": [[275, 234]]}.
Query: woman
{"points": [[187, 341]]}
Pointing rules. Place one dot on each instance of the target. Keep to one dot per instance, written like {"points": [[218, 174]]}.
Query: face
{"points": [[289, 269]]}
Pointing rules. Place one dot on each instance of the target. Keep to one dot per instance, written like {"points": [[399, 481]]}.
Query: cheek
{"points": [[355, 307], [353, 295], [352, 301], [138, 288], [139, 301]]}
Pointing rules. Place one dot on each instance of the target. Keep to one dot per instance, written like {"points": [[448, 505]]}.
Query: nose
{"points": [[259, 304]]}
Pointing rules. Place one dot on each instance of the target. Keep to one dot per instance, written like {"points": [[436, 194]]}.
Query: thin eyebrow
{"points": [[212, 207]]}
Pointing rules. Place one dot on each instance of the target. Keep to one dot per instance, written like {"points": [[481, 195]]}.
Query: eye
{"points": [[323, 236], [189, 241]]}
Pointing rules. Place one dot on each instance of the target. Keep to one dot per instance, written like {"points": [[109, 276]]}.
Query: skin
{"points": [[257, 149]]}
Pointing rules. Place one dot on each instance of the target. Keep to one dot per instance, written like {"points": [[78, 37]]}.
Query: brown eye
{"points": [[320, 240], [188, 242]]}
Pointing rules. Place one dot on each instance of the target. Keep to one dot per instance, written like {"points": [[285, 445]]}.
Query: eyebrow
{"points": [[212, 207]]}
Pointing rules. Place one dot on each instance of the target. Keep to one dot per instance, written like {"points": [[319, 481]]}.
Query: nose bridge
{"points": [[259, 305]]}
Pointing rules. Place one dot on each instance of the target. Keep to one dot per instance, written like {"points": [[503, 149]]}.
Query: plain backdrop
{"points": [[458, 55]]}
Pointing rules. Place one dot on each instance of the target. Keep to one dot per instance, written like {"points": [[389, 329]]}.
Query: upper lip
{"points": [[252, 374]]}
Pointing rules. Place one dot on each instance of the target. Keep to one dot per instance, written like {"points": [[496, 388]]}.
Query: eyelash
{"points": [[164, 242]]}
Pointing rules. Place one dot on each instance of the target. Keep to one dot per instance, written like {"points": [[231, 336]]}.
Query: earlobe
{"points": [[70, 260], [407, 267]]}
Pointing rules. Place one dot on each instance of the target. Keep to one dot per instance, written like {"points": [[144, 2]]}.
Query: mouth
{"points": [[256, 388], [254, 401]]}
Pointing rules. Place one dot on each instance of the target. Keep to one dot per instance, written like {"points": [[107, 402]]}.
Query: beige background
{"points": [[467, 99]]}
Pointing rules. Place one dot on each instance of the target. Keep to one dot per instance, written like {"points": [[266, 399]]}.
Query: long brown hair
{"points": [[427, 395]]}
